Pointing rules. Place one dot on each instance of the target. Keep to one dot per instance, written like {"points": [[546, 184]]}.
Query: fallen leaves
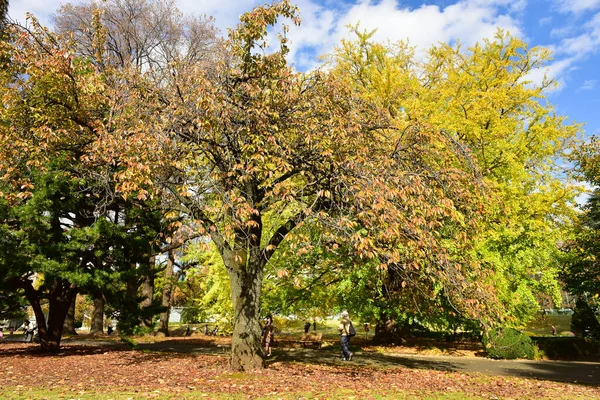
{"points": [[87, 369]]}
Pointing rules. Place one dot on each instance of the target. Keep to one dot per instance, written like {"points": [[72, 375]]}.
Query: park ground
{"points": [[197, 367]]}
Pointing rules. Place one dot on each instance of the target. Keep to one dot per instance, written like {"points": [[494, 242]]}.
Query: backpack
{"points": [[351, 330]]}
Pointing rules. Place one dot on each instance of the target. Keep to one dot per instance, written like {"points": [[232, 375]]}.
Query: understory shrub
{"points": [[508, 344]]}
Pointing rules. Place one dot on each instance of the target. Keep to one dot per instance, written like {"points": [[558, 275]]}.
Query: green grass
{"points": [[542, 325], [339, 394]]}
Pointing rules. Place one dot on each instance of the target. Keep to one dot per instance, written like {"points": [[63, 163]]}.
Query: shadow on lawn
{"points": [[586, 373], [364, 359]]}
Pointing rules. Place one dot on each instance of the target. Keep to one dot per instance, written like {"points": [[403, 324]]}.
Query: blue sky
{"points": [[571, 28]]}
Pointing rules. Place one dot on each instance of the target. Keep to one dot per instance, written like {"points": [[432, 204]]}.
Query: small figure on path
{"points": [[187, 331], [346, 332], [553, 330], [206, 329], [366, 330], [214, 331], [268, 331], [306, 327], [315, 325], [109, 330], [28, 328]]}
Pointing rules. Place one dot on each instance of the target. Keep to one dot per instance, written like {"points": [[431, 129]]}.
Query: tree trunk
{"points": [[167, 295], [148, 293], [69, 326], [97, 323], [60, 298], [246, 287], [387, 331]]}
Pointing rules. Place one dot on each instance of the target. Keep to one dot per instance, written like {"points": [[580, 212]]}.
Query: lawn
{"points": [[113, 372]]}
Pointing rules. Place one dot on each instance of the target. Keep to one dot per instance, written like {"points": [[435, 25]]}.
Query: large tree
{"points": [[482, 97], [256, 150]]}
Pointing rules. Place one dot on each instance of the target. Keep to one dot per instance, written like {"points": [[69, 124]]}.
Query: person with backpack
{"points": [[346, 330]]}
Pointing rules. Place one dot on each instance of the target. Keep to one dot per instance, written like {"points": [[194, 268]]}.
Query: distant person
{"points": [[11, 330], [315, 325], [268, 332], [366, 330], [306, 327], [345, 328], [215, 331], [187, 331], [28, 328], [109, 330], [553, 330], [206, 329]]}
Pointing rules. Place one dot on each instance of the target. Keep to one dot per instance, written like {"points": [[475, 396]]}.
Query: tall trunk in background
{"points": [[97, 323], [167, 294], [148, 293], [69, 325]]}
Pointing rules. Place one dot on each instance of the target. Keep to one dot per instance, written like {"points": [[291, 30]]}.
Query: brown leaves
{"points": [[91, 370]]}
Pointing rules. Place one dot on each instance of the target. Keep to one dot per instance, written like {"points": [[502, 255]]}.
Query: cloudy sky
{"points": [[571, 28]]}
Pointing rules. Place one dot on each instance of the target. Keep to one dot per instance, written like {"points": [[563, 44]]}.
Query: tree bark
{"points": [[60, 296], [69, 326], [246, 287], [387, 331], [167, 295], [97, 322], [148, 293]]}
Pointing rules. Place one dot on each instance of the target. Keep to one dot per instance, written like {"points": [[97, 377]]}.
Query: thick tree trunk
{"points": [[60, 298], [387, 331], [246, 287], [167, 295], [69, 326], [97, 323]]}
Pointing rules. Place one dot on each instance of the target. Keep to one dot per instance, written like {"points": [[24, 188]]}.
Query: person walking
{"points": [[268, 331], [28, 328], [346, 332]]}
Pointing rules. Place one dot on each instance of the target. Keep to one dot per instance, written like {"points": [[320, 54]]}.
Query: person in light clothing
{"points": [[344, 329]]}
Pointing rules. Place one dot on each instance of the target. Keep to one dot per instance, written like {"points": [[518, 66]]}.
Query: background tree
{"points": [[482, 97], [57, 210], [581, 270]]}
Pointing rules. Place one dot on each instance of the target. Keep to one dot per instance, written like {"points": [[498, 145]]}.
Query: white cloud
{"points": [[468, 21], [577, 6], [584, 44], [589, 84], [41, 9], [226, 13], [545, 21]]}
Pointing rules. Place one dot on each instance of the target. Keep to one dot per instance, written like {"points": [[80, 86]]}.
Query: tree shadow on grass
{"points": [[583, 373], [586, 373], [332, 357]]}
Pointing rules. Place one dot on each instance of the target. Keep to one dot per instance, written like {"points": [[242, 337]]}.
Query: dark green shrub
{"points": [[584, 322], [568, 348], [508, 344]]}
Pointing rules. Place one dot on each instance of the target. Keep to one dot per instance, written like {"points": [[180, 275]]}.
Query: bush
{"points": [[508, 344], [584, 322], [568, 348]]}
